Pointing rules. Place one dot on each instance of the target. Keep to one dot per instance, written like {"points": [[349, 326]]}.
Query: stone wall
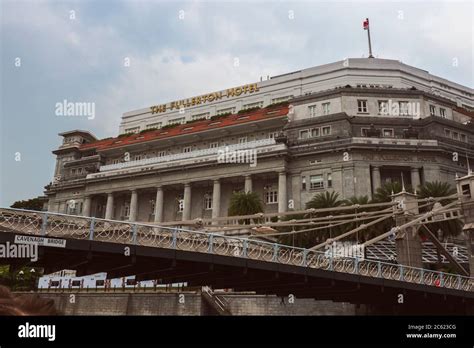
{"points": [[172, 304]]}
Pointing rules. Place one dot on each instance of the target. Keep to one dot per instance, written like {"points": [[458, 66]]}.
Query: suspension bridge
{"points": [[202, 254]]}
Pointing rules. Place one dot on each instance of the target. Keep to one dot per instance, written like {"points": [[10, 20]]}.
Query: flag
{"points": [[366, 24]]}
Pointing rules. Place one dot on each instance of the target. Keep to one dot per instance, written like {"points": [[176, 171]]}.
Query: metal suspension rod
{"points": [[410, 223], [316, 228], [360, 228]]}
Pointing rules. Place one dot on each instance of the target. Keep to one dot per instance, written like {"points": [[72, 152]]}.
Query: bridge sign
{"points": [[50, 242]]}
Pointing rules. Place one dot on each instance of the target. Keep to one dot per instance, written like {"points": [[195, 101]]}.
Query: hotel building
{"points": [[347, 127]]}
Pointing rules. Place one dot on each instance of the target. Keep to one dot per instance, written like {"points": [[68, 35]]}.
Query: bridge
{"points": [[201, 258]]}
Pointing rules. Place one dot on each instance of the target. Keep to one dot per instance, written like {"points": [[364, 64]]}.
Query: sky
{"points": [[128, 55]]}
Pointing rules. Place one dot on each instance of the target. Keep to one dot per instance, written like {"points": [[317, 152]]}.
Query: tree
{"points": [[325, 200], [29, 204], [435, 189], [245, 203], [384, 192]]}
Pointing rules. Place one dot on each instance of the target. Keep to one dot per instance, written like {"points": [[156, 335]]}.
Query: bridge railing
{"points": [[78, 227]]}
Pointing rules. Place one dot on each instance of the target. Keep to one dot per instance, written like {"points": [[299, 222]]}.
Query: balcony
{"points": [[198, 156]]}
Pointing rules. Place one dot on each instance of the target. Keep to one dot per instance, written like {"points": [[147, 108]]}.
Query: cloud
{"points": [[166, 76]]}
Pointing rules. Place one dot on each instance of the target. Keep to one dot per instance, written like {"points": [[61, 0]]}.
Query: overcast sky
{"points": [[75, 50]]}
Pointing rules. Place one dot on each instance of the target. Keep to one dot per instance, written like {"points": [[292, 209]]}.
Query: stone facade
{"points": [[190, 303], [349, 139]]}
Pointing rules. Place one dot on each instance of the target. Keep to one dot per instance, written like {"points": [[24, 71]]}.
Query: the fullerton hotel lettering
{"points": [[399, 158], [206, 98]]}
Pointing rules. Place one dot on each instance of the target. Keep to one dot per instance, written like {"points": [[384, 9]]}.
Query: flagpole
{"points": [[368, 35]]}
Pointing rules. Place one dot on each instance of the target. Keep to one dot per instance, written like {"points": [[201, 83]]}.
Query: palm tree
{"points": [[321, 201], [434, 189], [384, 192], [245, 203], [357, 200], [325, 200]]}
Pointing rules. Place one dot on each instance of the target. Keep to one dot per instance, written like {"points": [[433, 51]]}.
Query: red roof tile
{"points": [[198, 126]]}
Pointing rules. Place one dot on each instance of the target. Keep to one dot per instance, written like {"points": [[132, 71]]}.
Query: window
{"points": [[153, 125], [383, 107], [242, 140], [315, 132], [281, 99], [326, 109], [161, 153], [200, 116], [463, 137], [447, 133], [329, 179], [304, 134], [387, 132], [403, 108], [455, 135], [187, 149], [432, 110], [272, 135], [442, 112], [54, 283], [303, 183], [363, 131], [316, 182], [214, 145], [76, 283], [71, 207], [271, 196], [258, 104], [126, 210], [137, 157], [131, 282], [180, 200], [208, 201], [132, 130], [116, 161], [326, 130], [313, 111], [362, 106], [100, 282], [225, 111], [179, 120]]}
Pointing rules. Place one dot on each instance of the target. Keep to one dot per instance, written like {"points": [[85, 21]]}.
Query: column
{"points": [[109, 208], [282, 197], [216, 200], [159, 204], [86, 209], [248, 183], [133, 206], [187, 202], [415, 178], [376, 179], [407, 240]]}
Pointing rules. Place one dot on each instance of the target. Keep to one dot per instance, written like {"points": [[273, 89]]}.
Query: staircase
{"points": [[219, 304]]}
